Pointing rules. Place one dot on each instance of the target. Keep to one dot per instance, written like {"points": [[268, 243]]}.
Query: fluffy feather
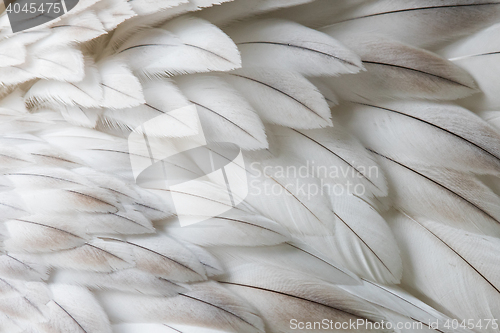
{"points": [[77, 29], [64, 64], [188, 50], [112, 13], [121, 89], [86, 93], [162, 97]]}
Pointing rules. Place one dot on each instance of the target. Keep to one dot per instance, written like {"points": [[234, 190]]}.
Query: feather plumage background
{"points": [[400, 96]]}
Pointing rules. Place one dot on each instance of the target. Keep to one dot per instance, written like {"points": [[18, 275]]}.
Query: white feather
{"points": [[76, 29], [42, 234], [75, 309], [129, 280], [225, 116], [187, 52], [65, 64], [207, 305], [393, 300], [431, 250], [231, 229], [335, 157], [165, 258], [447, 196], [426, 22], [397, 71], [479, 54], [288, 45], [282, 97], [86, 93], [162, 97], [121, 89], [308, 299], [292, 256], [364, 242], [112, 13], [95, 256], [236, 10], [448, 135]]}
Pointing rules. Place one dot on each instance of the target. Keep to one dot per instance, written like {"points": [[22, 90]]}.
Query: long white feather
{"points": [[282, 97], [426, 22], [187, 51], [455, 198], [129, 280], [335, 157], [120, 88], [308, 299], [431, 250], [233, 229], [95, 256], [207, 305], [42, 234], [288, 45], [86, 93], [448, 135], [236, 10], [64, 64], [226, 116], [364, 242], [479, 54], [165, 258], [318, 13], [162, 96], [403, 307], [293, 256], [397, 71], [75, 309]]}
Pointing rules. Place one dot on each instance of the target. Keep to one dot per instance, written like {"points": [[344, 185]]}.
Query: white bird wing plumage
{"points": [[369, 136]]}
